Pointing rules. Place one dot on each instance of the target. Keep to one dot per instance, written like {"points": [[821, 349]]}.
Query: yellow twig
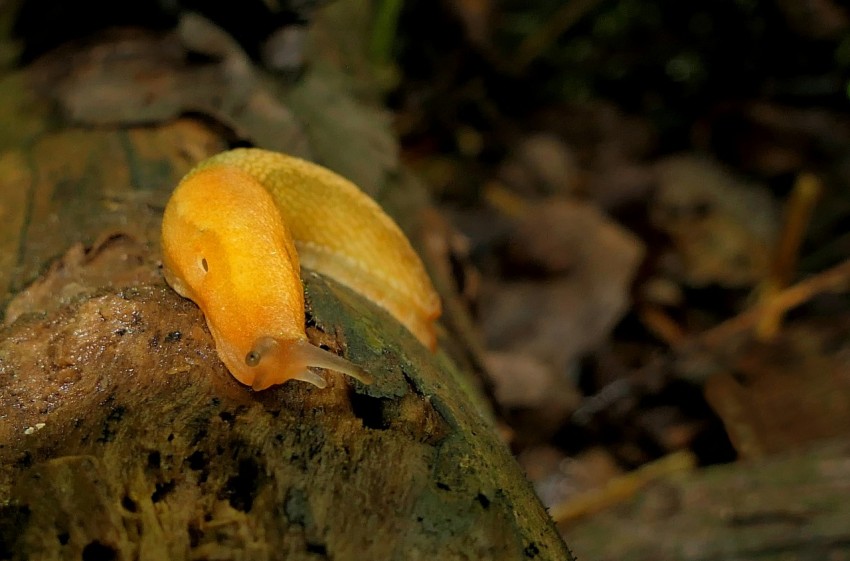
{"points": [[798, 213], [504, 200], [835, 279], [622, 488], [662, 325]]}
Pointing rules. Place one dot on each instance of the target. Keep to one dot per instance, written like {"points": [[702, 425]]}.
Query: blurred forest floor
{"points": [[653, 200], [648, 204]]}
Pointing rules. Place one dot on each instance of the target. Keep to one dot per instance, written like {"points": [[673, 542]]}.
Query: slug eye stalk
{"points": [[275, 360]]}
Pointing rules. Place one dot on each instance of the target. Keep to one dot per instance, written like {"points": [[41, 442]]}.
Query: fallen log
{"points": [[124, 437]]}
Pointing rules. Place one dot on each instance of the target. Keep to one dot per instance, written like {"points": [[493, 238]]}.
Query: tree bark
{"points": [[123, 435]]}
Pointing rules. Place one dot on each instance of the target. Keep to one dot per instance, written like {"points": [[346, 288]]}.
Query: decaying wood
{"points": [[123, 434]]}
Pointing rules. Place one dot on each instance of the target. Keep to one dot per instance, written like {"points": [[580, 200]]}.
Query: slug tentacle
{"points": [[292, 359], [260, 348]]}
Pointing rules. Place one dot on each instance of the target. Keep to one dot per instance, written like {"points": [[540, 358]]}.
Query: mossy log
{"points": [[123, 437]]}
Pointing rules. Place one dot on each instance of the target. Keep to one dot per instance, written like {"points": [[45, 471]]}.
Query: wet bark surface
{"points": [[124, 436]]}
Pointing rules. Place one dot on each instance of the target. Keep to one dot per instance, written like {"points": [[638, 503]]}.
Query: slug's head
{"points": [[272, 361], [226, 248]]}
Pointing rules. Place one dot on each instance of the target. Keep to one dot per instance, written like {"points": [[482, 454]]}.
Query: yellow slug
{"points": [[234, 235]]}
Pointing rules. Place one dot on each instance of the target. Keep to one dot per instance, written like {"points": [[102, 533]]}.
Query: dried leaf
{"points": [[563, 317], [785, 394], [723, 229]]}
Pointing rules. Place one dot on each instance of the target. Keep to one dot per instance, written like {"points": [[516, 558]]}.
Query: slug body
{"points": [[234, 235]]}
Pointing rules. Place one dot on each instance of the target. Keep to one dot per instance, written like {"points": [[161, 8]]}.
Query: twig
{"points": [[798, 213], [622, 488], [662, 325], [835, 279]]}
